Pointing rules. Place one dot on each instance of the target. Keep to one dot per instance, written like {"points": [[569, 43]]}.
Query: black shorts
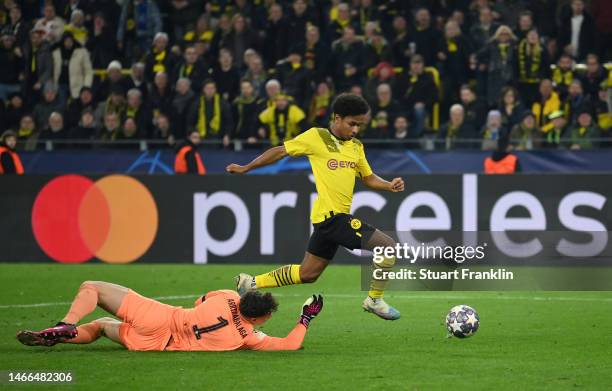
{"points": [[340, 229]]}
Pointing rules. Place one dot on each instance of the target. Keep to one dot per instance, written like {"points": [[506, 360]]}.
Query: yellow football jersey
{"points": [[335, 164]]}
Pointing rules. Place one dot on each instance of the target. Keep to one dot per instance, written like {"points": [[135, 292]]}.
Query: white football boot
{"points": [[380, 308]]}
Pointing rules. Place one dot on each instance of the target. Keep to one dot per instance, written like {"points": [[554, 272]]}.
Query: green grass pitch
{"points": [[527, 340]]}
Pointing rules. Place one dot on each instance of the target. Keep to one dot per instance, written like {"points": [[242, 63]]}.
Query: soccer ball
{"points": [[462, 321]]}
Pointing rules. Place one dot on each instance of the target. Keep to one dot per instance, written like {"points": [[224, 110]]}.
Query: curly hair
{"points": [[347, 104], [255, 304]]}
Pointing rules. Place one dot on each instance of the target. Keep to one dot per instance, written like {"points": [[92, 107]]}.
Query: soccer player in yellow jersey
{"points": [[336, 158]]}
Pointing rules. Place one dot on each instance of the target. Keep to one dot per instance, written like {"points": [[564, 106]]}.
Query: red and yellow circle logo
{"points": [[114, 219]]}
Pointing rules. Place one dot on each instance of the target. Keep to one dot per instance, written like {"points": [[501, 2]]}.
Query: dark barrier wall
{"points": [[407, 161], [223, 218]]}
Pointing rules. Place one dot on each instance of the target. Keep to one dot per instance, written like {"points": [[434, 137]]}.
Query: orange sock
{"points": [[83, 304], [88, 333]]}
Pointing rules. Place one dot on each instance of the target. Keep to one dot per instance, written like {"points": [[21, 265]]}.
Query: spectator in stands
{"points": [[524, 134], [295, 77], [525, 24], [239, 40], [584, 131], [335, 29], [71, 68], [577, 34], [10, 163], [558, 130], [13, 112], [382, 73], [497, 62], [383, 112], [283, 121], [575, 102], [320, 104], [245, 110], [316, 53], [547, 104], [50, 103], [183, 15], [425, 36], [458, 129], [101, 43], [211, 115], [420, 94], [130, 132], [593, 77], [139, 22], [140, 112], [53, 24], [110, 128], [502, 161], [224, 27], [202, 33], [273, 88], [226, 76], [114, 104], [191, 67], [603, 110], [602, 12], [86, 128], [27, 128], [377, 49], [492, 131], [563, 75], [401, 46], [137, 79], [77, 106], [160, 58], [38, 64], [257, 75], [347, 63], [159, 98], [163, 129], [453, 57], [299, 19], [533, 66], [11, 63], [276, 34], [17, 26], [188, 159], [400, 128], [184, 98], [482, 31], [475, 108], [55, 129], [114, 81], [511, 107], [77, 28]]}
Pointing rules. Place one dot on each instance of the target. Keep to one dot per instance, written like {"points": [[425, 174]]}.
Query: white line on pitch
{"points": [[352, 296]]}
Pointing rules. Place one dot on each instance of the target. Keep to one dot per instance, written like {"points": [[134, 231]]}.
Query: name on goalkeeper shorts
{"points": [[457, 274]]}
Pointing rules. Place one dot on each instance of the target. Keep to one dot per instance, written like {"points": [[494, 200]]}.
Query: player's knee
{"points": [[308, 277], [387, 262], [89, 284]]}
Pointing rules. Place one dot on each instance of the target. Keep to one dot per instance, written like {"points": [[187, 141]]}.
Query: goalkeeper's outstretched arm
{"points": [[311, 308], [268, 157]]}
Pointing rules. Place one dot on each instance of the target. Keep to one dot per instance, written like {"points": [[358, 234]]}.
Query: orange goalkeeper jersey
{"points": [[215, 324]]}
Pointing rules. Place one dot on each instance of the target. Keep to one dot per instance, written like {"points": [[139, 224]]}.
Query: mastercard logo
{"points": [[114, 219]]}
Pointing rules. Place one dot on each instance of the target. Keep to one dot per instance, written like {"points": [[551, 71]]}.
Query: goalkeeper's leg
{"points": [[311, 268]]}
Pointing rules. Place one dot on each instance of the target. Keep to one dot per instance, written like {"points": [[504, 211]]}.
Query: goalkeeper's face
{"points": [[346, 128]]}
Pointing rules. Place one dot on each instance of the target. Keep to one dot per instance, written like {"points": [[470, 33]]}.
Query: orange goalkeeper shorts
{"points": [[146, 322]]}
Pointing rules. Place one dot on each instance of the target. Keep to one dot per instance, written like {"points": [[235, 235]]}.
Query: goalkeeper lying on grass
{"points": [[220, 320]]}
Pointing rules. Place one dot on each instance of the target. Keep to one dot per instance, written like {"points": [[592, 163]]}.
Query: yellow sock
{"points": [[377, 287], [286, 275]]}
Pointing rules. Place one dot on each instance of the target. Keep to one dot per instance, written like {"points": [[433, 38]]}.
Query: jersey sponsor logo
{"points": [[236, 318], [334, 164]]}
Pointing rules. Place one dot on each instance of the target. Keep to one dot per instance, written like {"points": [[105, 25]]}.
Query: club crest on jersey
{"points": [[355, 223], [334, 164]]}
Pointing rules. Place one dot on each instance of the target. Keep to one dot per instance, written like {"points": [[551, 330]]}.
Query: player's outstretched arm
{"points": [[268, 157], [311, 308], [377, 183]]}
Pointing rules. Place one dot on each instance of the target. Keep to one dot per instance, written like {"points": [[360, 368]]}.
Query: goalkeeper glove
{"points": [[311, 308]]}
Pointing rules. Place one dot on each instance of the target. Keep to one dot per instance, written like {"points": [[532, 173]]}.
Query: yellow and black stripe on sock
{"points": [[286, 275]]}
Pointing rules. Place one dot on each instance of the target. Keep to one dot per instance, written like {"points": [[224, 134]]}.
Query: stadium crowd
{"points": [[440, 73]]}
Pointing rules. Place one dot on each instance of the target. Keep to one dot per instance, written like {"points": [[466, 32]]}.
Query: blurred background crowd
{"points": [[438, 74]]}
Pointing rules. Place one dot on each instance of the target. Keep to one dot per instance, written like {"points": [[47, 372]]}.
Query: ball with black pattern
{"points": [[462, 321]]}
